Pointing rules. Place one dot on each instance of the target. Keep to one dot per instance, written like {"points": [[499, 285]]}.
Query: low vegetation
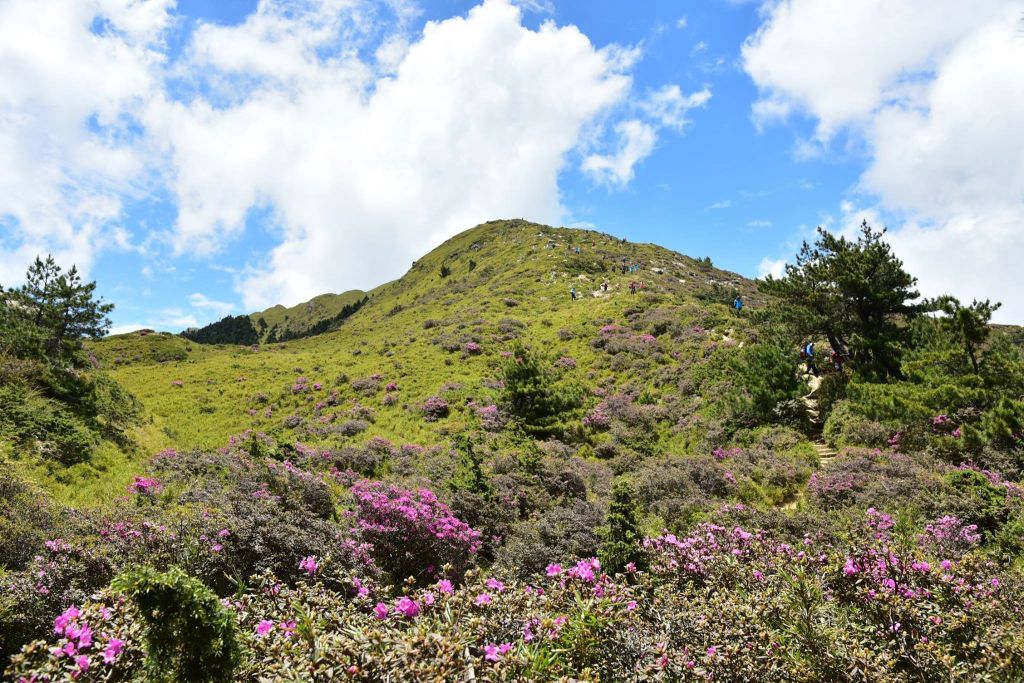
{"points": [[477, 476]]}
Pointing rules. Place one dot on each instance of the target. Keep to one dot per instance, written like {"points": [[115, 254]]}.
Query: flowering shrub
{"points": [[435, 408], [598, 418], [144, 486], [412, 532], [472, 348], [490, 418], [566, 363], [718, 603]]}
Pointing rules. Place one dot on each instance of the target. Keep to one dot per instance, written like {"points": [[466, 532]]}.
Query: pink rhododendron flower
{"points": [[554, 569], [445, 586], [407, 607], [308, 565], [263, 628], [113, 649], [381, 611], [482, 599]]}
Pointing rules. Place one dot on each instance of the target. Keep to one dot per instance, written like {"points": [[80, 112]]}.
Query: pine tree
{"points": [[968, 324], [620, 537], [52, 312], [854, 293]]}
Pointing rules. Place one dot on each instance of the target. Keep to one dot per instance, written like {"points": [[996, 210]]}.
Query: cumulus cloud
{"points": [[773, 267], [931, 90], [475, 122], [359, 140], [669, 106], [73, 79], [201, 302], [664, 108]]}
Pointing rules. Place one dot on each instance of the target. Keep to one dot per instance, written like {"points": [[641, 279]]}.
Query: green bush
{"points": [[844, 427], [188, 634]]}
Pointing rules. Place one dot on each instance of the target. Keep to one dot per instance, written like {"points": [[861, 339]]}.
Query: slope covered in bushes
{"points": [[481, 476]]}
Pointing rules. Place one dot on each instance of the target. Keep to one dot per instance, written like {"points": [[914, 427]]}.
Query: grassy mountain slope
{"points": [[509, 281], [299, 318], [387, 499]]}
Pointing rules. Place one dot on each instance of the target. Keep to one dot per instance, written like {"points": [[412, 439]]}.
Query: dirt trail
{"points": [[826, 454]]}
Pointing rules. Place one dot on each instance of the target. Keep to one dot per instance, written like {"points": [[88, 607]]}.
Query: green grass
{"points": [[301, 317], [515, 276]]}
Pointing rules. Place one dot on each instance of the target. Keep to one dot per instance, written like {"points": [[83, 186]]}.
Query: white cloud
{"points": [[701, 46], [474, 123], [759, 224], [681, 22], [668, 106], [365, 141], [931, 91], [664, 108], [773, 267], [636, 142], [723, 204], [69, 98], [200, 302], [540, 6]]}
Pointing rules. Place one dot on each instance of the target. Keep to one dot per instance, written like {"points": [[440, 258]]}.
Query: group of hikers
{"points": [[633, 287], [835, 358]]}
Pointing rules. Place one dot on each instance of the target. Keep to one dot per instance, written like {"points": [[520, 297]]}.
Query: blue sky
{"points": [[204, 158]]}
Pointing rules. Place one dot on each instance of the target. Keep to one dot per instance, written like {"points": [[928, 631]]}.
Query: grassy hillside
{"points": [[386, 499], [300, 318], [506, 283]]}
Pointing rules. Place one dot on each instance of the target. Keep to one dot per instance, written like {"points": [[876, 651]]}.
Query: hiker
{"points": [[572, 293], [577, 250], [837, 360], [623, 268], [632, 287], [738, 303], [604, 286], [807, 353]]}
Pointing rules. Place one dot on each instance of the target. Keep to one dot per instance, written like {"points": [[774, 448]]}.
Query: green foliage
{"points": [[45, 425], [444, 271], [50, 314], [230, 329], [621, 535], [189, 635], [854, 293], [469, 475], [765, 388], [969, 325], [535, 391], [977, 500]]}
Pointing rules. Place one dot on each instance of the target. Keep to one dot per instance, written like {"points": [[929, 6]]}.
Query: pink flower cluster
{"points": [[144, 485], [490, 418], [598, 418], [402, 523], [76, 641], [472, 348]]}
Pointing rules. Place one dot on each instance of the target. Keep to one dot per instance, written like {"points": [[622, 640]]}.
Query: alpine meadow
{"points": [[619, 450]]}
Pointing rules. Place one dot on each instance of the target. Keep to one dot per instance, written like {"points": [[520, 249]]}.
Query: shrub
{"points": [[435, 408], [189, 635], [845, 428], [620, 537], [412, 532], [535, 393]]}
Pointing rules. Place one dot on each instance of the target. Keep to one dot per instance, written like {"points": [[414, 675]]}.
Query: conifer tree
{"points": [[620, 542], [855, 293]]}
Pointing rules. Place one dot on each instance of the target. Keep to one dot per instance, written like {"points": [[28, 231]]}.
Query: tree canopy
{"points": [[51, 313], [855, 293]]}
